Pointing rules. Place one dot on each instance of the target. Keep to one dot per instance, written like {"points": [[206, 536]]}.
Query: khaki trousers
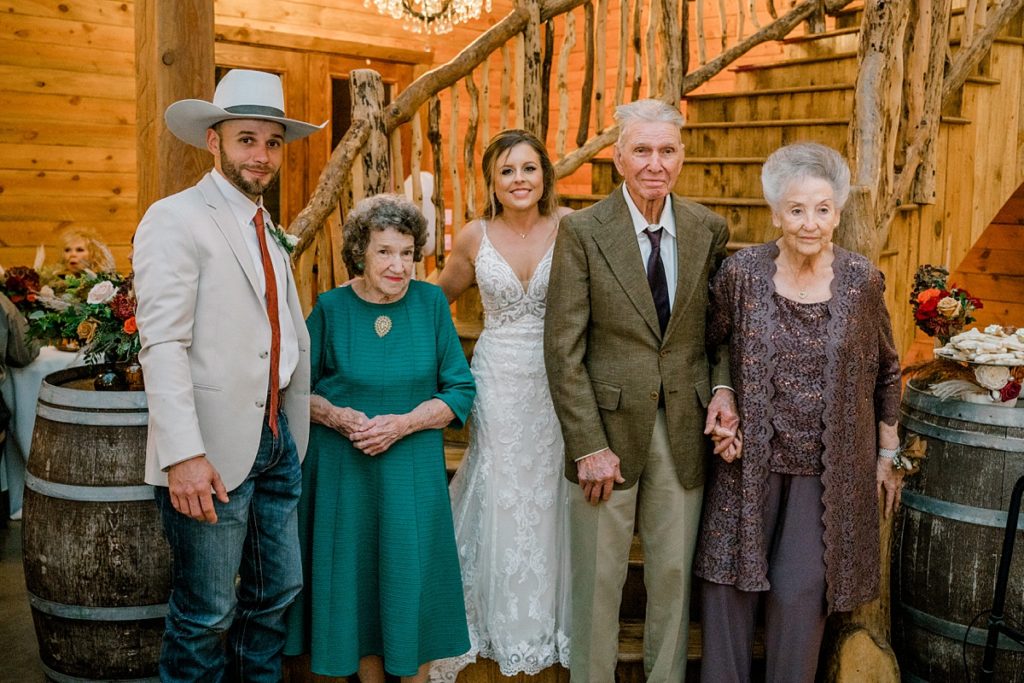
{"points": [[601, 534]]}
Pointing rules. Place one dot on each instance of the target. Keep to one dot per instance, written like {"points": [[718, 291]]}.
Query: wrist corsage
{"points": [[896, 456]]}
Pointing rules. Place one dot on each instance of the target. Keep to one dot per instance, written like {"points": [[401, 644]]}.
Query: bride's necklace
{"points": [[522, 235]]}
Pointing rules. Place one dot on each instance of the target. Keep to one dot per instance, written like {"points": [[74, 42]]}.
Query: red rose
{"points": [[130, 327], [1010, 391]]}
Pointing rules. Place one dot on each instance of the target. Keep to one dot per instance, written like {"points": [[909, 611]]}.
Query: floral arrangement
{"points": [[940, 310], [96, 310], [22, 285]]}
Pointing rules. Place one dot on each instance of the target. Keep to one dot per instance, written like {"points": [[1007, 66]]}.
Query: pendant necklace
{"points": [[801, 290]]}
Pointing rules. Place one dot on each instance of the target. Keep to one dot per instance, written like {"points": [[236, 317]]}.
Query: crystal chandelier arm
{"points": [[426, 17]]}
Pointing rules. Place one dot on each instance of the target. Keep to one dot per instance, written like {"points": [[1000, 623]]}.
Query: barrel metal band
{"points": [[956, 511], [86, 613], [128, 418], [954, 631], [986, 414], [974, 439], [65, 678], [88, 494]]}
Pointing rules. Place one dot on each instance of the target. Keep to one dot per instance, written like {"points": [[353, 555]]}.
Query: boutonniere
{"points": [[286, 240]]}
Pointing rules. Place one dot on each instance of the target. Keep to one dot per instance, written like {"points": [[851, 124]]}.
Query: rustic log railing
{"points": [[902, 86], [652, 38]]}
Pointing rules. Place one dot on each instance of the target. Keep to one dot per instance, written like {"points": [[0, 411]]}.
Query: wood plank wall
{"points": [[67, 124]]}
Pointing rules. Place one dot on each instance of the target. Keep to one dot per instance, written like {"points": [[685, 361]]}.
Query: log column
{"points": [[367, 90], [174, 61]]}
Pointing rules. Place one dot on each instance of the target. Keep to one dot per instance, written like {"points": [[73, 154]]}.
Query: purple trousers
{"points": [[795, 607]]}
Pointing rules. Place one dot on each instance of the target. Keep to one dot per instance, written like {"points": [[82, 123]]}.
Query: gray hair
{"points": [[802, 160], [645, 111], [377, 213]]}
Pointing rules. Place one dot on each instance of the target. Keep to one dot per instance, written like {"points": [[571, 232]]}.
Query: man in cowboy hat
{"points": [[225, 354]]}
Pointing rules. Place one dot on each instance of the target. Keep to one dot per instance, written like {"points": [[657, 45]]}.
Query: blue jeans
{"points": [[218, 629]]}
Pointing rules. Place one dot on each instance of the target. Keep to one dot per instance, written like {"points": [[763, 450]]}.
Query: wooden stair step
{"points": [[831, 68], [825, 44], [631, 641], [799, 61], [789, 90], [807, 37], [983, 80], [733, 125], [749, 139], [851, 15]]}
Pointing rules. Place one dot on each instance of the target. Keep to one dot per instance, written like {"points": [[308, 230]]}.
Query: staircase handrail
{"points": [[332, 181]]}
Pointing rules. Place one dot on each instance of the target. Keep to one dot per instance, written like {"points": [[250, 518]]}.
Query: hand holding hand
{"points": [[728, 446], [191, 483], [723, 425], [377, 435], [598, 474]]}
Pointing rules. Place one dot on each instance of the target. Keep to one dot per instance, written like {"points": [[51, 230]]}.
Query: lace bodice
{"points": [[504, 297]]}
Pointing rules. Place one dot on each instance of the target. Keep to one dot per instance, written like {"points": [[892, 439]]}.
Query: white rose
{"points": [[46, 291], [992, 376], [291, 240], [101, 293]]}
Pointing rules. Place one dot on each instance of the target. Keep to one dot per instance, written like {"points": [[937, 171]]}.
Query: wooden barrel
{"points": [[97, 567], [948, 539]]}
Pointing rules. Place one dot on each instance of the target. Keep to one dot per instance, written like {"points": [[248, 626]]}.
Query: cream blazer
{"points": [[206, 338]]}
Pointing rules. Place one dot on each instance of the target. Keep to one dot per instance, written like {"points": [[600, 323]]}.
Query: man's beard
{"points": [[234, 174]]}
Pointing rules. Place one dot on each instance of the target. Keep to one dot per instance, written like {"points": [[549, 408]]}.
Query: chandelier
{"points": [[430, 16]]}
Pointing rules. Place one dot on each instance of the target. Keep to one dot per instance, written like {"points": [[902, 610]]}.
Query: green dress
{"points": [[379, 556]]}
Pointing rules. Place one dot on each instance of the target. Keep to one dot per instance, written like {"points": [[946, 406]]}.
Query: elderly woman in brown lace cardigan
{"points": [[791, 509]]}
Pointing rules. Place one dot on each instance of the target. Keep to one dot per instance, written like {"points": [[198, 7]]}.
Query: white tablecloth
{"points": [[21, 390]]}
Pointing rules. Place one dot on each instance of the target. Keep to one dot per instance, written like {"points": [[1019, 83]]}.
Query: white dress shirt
{"points": [[668, 240], [244, 209]]}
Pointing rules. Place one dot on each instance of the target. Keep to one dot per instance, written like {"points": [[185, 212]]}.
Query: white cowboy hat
{"points": [[241, 94]]}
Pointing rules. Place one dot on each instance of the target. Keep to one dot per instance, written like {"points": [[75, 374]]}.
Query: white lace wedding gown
{"points": [[509, 496]]}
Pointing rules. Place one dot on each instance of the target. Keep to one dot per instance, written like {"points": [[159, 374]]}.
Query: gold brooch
{"points": [[382, 325]]}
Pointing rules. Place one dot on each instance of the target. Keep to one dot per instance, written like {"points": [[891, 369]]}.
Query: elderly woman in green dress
{"points": [[383, 591]]}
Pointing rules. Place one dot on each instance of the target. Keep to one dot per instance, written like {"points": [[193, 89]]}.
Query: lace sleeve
{"points": [[887, 383]]}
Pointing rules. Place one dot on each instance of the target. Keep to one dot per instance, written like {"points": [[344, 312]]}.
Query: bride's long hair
{"points": [[496, 148]]}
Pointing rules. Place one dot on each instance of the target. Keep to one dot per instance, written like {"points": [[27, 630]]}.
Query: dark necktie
{"points": [[656, 277], [275, 323]]}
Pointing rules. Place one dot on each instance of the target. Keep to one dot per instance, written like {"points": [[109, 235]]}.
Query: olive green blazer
{"points": [[605, 356]]}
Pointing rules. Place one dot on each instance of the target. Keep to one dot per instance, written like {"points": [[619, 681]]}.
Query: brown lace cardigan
{"points": [[861, 388]]}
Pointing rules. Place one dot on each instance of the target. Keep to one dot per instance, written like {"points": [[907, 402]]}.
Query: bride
{"points": [[509, 495]]}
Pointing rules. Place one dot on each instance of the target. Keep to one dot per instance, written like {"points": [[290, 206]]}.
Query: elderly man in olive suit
{"points": [[635, 393], [225, 354]]}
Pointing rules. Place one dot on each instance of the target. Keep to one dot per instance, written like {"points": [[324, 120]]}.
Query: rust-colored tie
{"points": [[272, 314]]}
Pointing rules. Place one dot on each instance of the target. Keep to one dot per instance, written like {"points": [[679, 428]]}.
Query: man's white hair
{"points": [[646, 111]]}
